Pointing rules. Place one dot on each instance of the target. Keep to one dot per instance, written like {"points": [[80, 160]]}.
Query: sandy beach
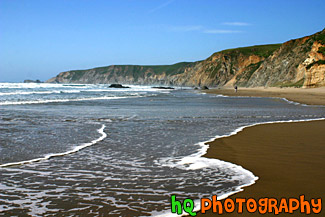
{"points": [[288, 158], [311, 96]]}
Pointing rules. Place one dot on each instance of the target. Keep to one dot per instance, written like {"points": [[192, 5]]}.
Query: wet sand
{"points": [[288, 158], [310, 96]]}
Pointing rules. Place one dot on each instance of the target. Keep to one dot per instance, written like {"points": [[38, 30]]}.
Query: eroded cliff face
{"points": [[313, 72], [223, 68], [298, 63]]}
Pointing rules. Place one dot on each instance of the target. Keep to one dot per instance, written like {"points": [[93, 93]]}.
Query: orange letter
{"points": [[291, 207], [240, 202], [273, 205], [251, 205], [229, 205], [283, 205], [263, 205], [205, 207], [317, 207], [216, 203], [304, 204]]}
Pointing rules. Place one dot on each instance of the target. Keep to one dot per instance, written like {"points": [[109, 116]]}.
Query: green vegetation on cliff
{"points": [[320, 37], [169, 69], [138, 69], [258, 50], [135, 71], [291, 84], [76, 75], [319, 62], [321, 50]]}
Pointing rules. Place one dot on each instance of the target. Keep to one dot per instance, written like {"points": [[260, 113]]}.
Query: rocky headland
{"points": [[295, 63]]}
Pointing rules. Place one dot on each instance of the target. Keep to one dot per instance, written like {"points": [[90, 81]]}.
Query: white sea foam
{"points": [[220, 95], [259, 97], [41, 85], [61, 100], [38, 92], [25, 93], [75, 149], [89, 87], [197, 161], [297, 103]]}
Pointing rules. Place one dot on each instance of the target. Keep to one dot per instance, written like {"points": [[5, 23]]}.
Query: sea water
{"points": [[91, 150]]}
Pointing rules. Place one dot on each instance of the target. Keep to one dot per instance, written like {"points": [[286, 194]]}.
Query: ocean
{"points": [[69, 150]]}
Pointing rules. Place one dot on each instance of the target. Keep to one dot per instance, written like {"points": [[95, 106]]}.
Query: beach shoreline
{"points": [[309, 96], [285, 156]]}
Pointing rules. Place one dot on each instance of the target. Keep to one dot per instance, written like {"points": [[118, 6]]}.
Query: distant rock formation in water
{"points": [[117, 86], [33, 81], [164, 88]]}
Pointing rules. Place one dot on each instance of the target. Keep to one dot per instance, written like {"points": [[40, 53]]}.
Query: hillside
{"points": [[299, 63]]}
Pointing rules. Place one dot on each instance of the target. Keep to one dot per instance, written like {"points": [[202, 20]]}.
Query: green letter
{"points": [[189, 208], [174, 204]]}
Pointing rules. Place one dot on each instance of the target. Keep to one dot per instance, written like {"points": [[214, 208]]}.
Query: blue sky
{"points": [[39, 39]]}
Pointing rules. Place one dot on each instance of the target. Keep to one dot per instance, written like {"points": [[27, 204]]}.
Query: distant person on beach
{"points": [[236, 88]]}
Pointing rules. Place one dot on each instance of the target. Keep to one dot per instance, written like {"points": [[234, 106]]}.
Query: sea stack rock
{"points": [[32, 81], [117, 86]]}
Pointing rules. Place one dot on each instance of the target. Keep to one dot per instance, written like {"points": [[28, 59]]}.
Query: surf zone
{"points": [[249, 205]]}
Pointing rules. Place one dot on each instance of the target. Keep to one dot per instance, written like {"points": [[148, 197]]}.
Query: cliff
{"points": [[299, 63]]}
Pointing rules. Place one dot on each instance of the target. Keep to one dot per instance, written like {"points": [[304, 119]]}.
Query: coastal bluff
{"points": [[295, 63]]}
